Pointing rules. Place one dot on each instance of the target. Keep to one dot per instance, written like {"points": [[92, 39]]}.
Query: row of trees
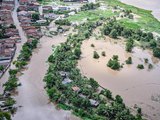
{"points": [[63, 22], [90, 6], [114, 29], [64, 59]]}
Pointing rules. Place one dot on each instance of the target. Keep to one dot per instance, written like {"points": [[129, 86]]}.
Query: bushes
{"points": [[62, 22], [114, 29], [129, 45], [90, 6], [129, 60], [77, 52], [113, 34], [114, 63], [140, 66], [95, 55], [156, 52], [103, 53]]}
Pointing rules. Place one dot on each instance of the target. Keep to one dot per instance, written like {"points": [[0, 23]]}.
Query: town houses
{"points": [[9, 35], [28, 14]]}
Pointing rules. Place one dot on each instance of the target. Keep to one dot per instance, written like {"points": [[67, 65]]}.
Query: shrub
{"points": [[113, 63], [129, 45], [129, 60], [150, 66], [103, 53], [62, 22], [92, 45], [140, 66], [146, 60], [113, 33], [95, 55], [156, 52]]}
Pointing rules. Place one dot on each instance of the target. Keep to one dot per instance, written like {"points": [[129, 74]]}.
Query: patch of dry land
{"points": [[136, 86]]}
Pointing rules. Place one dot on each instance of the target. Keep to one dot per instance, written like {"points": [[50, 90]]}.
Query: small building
{"points": [[23, 2], [66, 81], [94, 102], [63, 74], [76, 89], [41, 21], [50, 16]]}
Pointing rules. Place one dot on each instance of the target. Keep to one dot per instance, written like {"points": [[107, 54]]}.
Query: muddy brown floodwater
{"points": [[32, 96], [141, 87]]}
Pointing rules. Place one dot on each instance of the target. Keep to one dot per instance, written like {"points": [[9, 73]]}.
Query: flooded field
{"points": [[141, 87], [146, 4]]}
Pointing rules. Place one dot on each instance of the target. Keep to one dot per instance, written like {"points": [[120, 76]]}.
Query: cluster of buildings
{"points": [[66, 81], [9, 35], [25, 12]]}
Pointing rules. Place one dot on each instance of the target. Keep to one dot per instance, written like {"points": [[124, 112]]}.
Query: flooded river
{"points": [[141, 87], [153, 5]]}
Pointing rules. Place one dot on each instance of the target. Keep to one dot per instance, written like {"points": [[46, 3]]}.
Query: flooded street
{"points": [[19, 45], [146, 4], [141, 87], [32, 95]]}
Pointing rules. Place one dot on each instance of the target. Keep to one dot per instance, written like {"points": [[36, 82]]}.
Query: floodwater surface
{"points": [[32, 97], [153, 5], [141, 87]]}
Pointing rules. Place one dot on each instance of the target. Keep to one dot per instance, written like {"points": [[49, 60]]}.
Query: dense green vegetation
{"points": [[5, 116], [62, 22], [90, 6], [114, 63], [35, 16], [70, 90], [115, 30], [140, 66], [146, 20], [156, 52], [129, 45]]}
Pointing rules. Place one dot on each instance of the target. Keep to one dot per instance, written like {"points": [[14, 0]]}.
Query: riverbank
{"points": [[145, 4]]}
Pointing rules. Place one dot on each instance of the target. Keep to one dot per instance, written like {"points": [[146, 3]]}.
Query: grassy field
{"points": [[50, 2], [92, 15], [146, 22]]}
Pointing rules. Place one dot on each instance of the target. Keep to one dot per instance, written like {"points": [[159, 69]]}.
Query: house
{"points": [[47, 8], [75, 89], [63, 74], [33, 7], [63, 8], [23, 2], [23, 13], [41, 21], [50, 16], [66, 81], [94, 102], [22, 8]]}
